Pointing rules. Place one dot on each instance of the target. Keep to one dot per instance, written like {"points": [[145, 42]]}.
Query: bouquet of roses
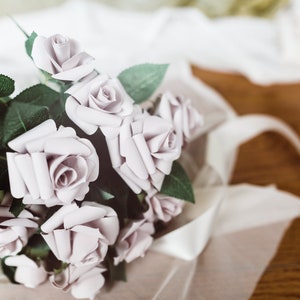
{"points": [[89, 168]]}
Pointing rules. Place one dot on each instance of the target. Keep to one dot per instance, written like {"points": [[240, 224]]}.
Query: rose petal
{"points": [[38, 144], [27, 272], [142, 183], [92, 161], [41, 46], [85, 241], [164, 166], [7, 236], [143, 148], [61, 47], [40, 166], [114, 151], [19, 222], [88, 285], [25, 167], [57, 218], [109, 228], [134, 159], [80, 59], [67, 195], [63, 244], [51, 242], [157, 179], [17, 186], [75, 74], [66, 146], [42, 130], [20, 260], [96, 117], [71, 110], [142, 244], [83, 215], [81, 92], [77, 86]]}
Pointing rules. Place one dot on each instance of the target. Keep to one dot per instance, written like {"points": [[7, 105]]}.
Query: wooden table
{"points": [[267, 159]]}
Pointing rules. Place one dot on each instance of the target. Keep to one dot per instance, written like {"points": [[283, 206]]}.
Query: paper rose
{"points": [[28, 272], [144, 151], [61, 57], [50, 166], [80, 235], [185, 118], [163, 207], [100, 102], [14, 232], [84, 281], [77, 228], [133, 241]]}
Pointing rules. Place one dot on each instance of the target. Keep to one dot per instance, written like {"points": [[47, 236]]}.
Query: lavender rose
{"points": [[50, 166], [14, 232], [83, 281], [133, 241], [99, 102], [163, 207], [27, 272], [78, 235], [185, 118], [61, 57], [144, 151]]}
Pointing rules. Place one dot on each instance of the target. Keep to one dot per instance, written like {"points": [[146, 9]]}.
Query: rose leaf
{"points": [[42, 95], [29, 43], [16, 207], [37, 248], [178, 185], [141, 81], [21, 117], [118, 272], [4, 184], [8, 271], [3, 110], [7, 86]]}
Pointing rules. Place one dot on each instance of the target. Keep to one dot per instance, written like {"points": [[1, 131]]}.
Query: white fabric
{"points": [[265, 50], [244, 207], [260, 49]]}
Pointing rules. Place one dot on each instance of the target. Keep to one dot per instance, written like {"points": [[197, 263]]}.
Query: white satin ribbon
{"points": [[188, 241]]}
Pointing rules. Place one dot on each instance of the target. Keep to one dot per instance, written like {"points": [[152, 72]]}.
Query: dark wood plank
{"points": [[267, 159]]}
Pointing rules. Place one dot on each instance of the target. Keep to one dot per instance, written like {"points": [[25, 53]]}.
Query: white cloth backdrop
{"points": [[262, 49], [265, 50]]}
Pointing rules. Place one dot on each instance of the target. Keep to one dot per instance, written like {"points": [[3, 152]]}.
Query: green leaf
{"points": [[8, 271], [7, 85], [4, 184], [42, 95], [37, 248], [3, 110], [116, 273], [178, 185], [16, 207], [106, 195], [29, 43], [141, 81], [21, 117]]}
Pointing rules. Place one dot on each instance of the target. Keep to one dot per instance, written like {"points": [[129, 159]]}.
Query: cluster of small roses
{"points": [[52, 168]]}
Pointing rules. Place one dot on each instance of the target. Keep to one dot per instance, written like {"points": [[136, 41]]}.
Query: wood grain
{"points": [[267, 159]]}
